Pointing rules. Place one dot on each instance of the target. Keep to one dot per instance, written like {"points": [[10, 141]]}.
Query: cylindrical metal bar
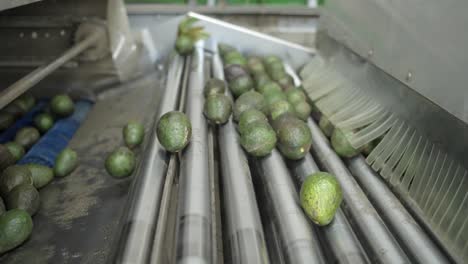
{"points": [[139, 222], [244, 232], [366, 221], [419, 246], [338, 235], [194, 241], [32, 78], [299, 242]]}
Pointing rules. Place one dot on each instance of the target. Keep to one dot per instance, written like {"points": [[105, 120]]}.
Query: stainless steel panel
{"points": [[15, 3]]}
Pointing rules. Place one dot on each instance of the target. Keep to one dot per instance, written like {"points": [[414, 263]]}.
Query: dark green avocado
{"points": [[249, 116], [214, 86], [240, 85], [249, 100], [27, 137], [258, 139], [133, 134], [41, 175], [24, 197], [15, 228], [13, 176], [62, 105], [174, 131], [120, 163], [294, 137], [43, 122], [341, 145], [66, 162], [217, 108]]}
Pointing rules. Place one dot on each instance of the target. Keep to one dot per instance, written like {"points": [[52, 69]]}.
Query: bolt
{"points": [[409, 76]]}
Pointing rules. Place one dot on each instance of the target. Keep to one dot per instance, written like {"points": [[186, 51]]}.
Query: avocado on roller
{"points": [[225, 48], [326, 126], [255, 65], [279, 108], [13, 176], [260, 80], [184, 44], [214, 86], [240, 85], [320, 197], [120, 163], [15, 228], [24, 197], [2, 206], [258, 139], [341, 145], [66, 162], [302, 110], [27, 137], [43, 122], [273, 97], [6, 157], [294, 137], [133, 134], [250, 116], [62, 105], [217, 109], [174, 131], [249, 100], [286, 82], [295, 96], [16, 150], [233, 71], [237, 61], [271, 59], [269, 87], [274, 69], [41, 175], [6, 120], [231, 55]]}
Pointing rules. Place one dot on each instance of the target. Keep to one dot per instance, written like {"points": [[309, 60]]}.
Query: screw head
{"points": [[409, 76]]}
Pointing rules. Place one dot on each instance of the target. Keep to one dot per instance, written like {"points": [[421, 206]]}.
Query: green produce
{"points": [[62, 105], [24, 197], [233, 71], [188, 35], [133, 134], [214, 86], [120, 163], [13, 176], [43, 122], [320, 197], [278, 75], [2, 206], [6, 157], [326, 126], [14, 109], [302, 110], [269, 87], [294, 137], [275, 68], [258, 139], [25, 102], [295, 96], [16, 150], [236, 61], [279, 108], [65, 163], [41, 175], [174, 131], [240, 85], [230, 55], [184, 45], [6, 120], [273, 97], [250, 116], [341, 145], [27, 137], [271, 59], [249, 100], [255, 65], [286, 82], [217, 108], [261, 79], [225, 48], [15, 228]]}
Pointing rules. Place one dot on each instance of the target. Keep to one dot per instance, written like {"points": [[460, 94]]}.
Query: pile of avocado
{"points": [[188, 35]]}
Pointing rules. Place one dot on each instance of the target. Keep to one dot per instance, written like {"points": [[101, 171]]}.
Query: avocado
{"points": [[302, 110], [14, 109], [234, 71], [25, 197], [249, 116], [6, 120], [295, 96], [271, 59], [214, 86], [26, 102], [184, 44], [274, 69], [286, 82], [277, 75], [41, 175], [16, 150], [236, 61], [260, 80], [174, 131], [272, 97], [43, 122], [249, 100], [133, 134], [65, 163], [258, 139], [240, 85], [341, 145], [268, 87], [2, 206], [233, 54], [279, 108], [294, 137], [326, 126], [120, 163], [15, 228], [13, 176], [217, 108], [255, 65], [27, 137], [6, 157], [225, 48], [62, 105], [320, 197]]}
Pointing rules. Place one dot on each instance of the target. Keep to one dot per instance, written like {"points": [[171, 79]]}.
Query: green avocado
{"points": [[214, 86], [2, 206], [27, 137], [255, 65], [248, 117], [240, 85], [230, 55], [133, 134], [271, 59], [279, 108], [24, 197], [260, 80], [249, 100], [184, 45], [272, 97], [62, 105], [43, 122], [13, 176], [174, 131], [41, 175], [15, 228], [286, 82], [233, 71], [294, 137], [6, 157], [66, 162], [15, 149], [269, 87], [341, 145], [225, 48], [295, 96], [320, 197], [26, 102], [6, 120], [302, 110], [274, 69], [217, 108], [236, 61], [120, 163], [326, 126], [258, 139]]}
